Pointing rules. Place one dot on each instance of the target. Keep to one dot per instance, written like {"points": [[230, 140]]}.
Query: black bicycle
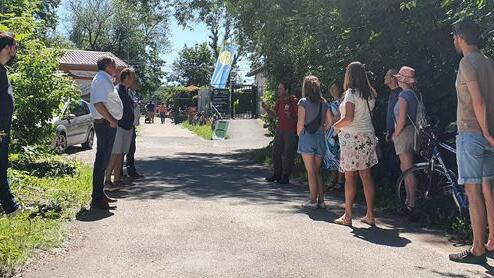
{"points": [[438, 195]]}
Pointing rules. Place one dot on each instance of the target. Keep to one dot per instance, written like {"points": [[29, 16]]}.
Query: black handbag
{"points": [[378, 145], [315, 124]]}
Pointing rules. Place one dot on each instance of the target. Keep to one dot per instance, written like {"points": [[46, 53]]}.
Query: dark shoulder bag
{"points": [[315, 124], [378, 147]]}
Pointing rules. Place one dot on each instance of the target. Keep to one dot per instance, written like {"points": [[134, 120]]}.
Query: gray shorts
{"points": [[123, 138], [405, 141]]}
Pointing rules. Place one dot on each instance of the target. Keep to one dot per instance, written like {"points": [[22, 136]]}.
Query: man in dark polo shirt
{"points": [[286, 139], [8, 50]]}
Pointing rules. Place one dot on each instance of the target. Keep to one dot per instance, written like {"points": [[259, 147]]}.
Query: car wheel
{"points": [[61, 144], [90, 140]]}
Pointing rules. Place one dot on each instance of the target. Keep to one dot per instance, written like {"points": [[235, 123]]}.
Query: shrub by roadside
{"points": [[53, 190]]}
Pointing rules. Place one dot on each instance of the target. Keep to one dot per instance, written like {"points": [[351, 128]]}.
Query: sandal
{"points": [[489, 252], [366, 220], [344, 221]]}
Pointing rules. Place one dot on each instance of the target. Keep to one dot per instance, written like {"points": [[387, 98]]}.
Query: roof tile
{"points": [[84, 57]]}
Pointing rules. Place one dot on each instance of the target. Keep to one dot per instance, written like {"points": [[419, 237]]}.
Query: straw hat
{"points": [[406, 75]]}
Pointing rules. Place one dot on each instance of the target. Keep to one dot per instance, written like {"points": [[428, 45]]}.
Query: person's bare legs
{"points": [[320, 185], [350, 192], [488, 191], [369, 192], [478, 217], [117, 167], [309, 163], [110, 168], [406, 162]]}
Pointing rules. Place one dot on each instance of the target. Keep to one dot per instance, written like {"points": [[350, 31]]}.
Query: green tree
{"points": [[194, 66], [40, 90], [135, 30], [295, 38]]}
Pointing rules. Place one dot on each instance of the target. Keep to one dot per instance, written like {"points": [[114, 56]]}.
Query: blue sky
{"points": [[197, 33]]}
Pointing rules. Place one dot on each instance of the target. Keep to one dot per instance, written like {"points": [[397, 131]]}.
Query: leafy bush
{"points": [[169, 93], [37, 162], [269, 97], [39, 88]]}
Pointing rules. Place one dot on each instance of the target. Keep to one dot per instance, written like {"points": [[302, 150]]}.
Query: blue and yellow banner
{"points": [[223, 67]]}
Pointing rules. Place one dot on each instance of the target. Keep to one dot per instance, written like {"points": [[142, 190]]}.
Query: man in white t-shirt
{"points": [[107, 109]]}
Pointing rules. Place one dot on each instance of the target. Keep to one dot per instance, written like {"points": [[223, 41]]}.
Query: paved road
{"points": [[204, 211]]}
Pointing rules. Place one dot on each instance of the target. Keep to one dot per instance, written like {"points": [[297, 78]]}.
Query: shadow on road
{"points": [[208, 175], [92, 215], [379, 236], [234, 175]]}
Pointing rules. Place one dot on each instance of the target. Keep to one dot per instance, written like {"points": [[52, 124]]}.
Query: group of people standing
{"points": [[162, 111], [116, 114], [340, 135]]}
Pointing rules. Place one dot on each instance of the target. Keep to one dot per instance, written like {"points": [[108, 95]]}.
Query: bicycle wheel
{"points": [[437, 201]]}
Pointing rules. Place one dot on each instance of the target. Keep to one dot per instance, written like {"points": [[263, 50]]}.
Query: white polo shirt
{"points": [[103, 90]]}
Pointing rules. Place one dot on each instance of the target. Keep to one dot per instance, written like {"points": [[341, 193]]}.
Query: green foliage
{"points": [[214, 14], [295, 38], [40, 91], [136, 31], [39, 163], [460, 230], [39, 88], [204, 131], [269, 98], [169, 93], [194, 66], [51, 202]]}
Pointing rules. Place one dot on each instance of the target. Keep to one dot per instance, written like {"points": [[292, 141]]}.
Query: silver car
{"points": [[75, 126]]}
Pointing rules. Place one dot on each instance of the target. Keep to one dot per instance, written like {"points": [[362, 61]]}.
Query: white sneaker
{"points": [[310, 205]]}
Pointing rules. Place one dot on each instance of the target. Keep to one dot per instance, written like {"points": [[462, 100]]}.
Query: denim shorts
{"points": [[313, 144], [475, 158]]}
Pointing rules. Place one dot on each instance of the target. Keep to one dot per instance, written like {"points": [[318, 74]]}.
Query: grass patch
{"points": [[204, 131], [51, 202]]}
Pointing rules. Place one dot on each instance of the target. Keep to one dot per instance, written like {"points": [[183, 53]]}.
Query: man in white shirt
{"points": [[107, 109]]}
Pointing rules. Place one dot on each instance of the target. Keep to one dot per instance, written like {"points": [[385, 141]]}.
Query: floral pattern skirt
{"points": [[357, 151]]}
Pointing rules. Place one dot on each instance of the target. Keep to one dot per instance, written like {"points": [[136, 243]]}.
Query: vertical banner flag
{"points": [[223, 67]]}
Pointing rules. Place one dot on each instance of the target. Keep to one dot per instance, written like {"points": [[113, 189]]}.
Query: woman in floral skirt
{"points": [[357, 140]]}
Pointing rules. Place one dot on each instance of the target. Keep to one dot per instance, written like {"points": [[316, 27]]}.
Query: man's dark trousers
{"points": [[6, 198], [105, 137], [284, 151], [130, 161]]}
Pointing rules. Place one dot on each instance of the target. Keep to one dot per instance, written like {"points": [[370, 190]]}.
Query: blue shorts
{"points": [[475, 158], [312, 144]]}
